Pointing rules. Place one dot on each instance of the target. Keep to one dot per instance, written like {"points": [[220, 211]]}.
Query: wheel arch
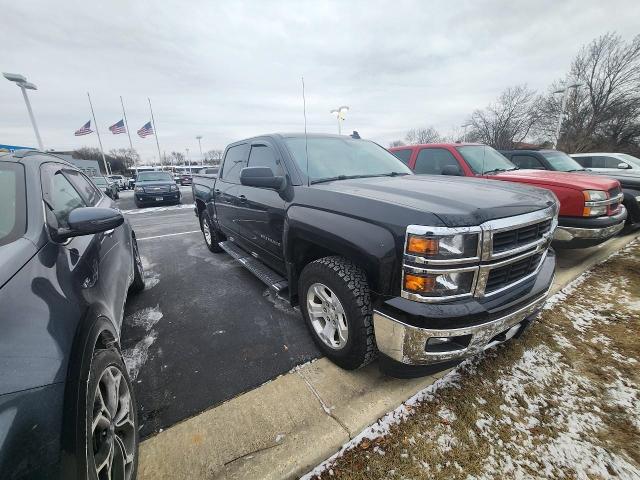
{"points": [[310, 234]]}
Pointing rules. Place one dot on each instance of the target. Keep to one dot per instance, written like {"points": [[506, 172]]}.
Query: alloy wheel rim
{"points": [[327, 316], [113, 427], [206, 231]]}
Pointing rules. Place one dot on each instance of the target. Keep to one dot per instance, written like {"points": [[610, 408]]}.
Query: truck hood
{"points": [[627, 178], [456, 201], [579, 181], [13, 256]]}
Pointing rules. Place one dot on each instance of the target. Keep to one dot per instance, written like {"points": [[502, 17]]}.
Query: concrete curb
{"points": [[286, 427]]}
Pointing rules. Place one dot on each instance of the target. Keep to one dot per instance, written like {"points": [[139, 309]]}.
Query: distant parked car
{"points": [[186, 179], [561, 162], [132, 182], [155, 187], [607, 162], [120, 181], [68, 259], [107, 187]]}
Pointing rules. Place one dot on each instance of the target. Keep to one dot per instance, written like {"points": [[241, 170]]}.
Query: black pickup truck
{"points": [[422, 270]]}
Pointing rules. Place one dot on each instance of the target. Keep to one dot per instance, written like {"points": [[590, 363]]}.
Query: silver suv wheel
{"points": [[327, 316]]}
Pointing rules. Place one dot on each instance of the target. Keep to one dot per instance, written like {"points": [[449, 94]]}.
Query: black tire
{"points": [[105, 362], [138, 270], [350, 285], [213, 240], [117, 196], [138, 204]]}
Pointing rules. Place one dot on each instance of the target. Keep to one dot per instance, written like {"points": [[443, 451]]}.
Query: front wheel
{"points": [[111, 419], [336, 305], [211, 236]]}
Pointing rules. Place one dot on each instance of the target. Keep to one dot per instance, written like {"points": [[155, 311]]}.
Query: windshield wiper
{"points": [[349, 177], [497, 170]]}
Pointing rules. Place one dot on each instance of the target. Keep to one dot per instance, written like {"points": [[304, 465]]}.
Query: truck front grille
{"points": [[511, 239], [503, 276]]}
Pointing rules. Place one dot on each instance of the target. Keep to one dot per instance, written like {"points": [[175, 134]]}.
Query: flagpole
{"points": [[128, 133], [155, 131], [95, 124]]}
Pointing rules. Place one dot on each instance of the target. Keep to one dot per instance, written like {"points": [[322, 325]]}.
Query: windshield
{"points": [[12, 199], [562, 162], [337, 157], [630, 159], [484, 159], [100, 181], [155, 177]]}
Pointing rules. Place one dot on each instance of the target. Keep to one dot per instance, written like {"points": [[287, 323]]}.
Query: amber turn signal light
{"points": [[416, 283], [422, 246]]}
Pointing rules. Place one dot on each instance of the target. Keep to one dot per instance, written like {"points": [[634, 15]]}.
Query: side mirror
{"points": [[623, 166], [261, 177], [453, 170], [90, 220]]}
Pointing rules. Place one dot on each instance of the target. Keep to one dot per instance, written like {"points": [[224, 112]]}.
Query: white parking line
{"points": [[157, 209], [167, 235]]}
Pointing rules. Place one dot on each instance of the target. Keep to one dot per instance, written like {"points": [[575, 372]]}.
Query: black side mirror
{"points": [[453, 170], [261, 177], [90, 220]]}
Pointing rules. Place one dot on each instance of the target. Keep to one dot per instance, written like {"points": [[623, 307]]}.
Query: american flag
{"points": [[147, 129], [85, 130], [118, 127]]}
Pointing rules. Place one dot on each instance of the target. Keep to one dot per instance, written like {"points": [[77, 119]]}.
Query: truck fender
{"points": [[310, 234]]}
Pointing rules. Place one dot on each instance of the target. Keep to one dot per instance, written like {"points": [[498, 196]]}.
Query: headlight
{"points": [[173, 188], [433, 245], [139, 190], [439, 284], [591, 200]]}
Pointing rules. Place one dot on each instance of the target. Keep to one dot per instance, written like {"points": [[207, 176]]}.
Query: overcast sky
{"points": [[229, 70]]}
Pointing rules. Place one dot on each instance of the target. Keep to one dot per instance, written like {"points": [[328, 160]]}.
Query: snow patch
{"points": [[145, 318], [136, 357]]}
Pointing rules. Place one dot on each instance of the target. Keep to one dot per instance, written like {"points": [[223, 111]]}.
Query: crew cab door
{"points": [[261, 216], [433, 161], [225, 190]]}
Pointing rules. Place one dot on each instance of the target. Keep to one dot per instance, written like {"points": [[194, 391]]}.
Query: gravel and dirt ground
{"points": [[562, 402]]}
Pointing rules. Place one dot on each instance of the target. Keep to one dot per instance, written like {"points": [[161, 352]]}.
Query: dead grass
{"points": [[525, 407]]}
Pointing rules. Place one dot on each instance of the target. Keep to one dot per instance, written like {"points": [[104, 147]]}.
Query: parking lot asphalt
{"points": [[204, 330]]}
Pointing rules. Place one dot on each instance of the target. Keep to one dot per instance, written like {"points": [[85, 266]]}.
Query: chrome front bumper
{"points": [[407, 344], [566, 234]]}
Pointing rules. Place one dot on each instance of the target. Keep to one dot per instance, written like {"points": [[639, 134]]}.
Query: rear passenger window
{"points": [[431, 161], [403, 155], [527, 162], [90, 194], [64, 199], [586, 162], [264, 156], [234, 162]]}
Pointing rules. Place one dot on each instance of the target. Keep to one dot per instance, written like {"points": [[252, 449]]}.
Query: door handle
{"points": [[242, 198], [108, 233]]}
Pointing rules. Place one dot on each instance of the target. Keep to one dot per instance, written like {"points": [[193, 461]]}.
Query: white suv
{"points": [[122, 183], [608, 162]]}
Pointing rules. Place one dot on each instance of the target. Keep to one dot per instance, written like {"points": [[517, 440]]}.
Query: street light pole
{"points": [[464, 132], [21, 81], [563, 105], [199, 137], [340, 113]]}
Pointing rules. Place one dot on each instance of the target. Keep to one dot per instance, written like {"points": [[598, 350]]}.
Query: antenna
{"points": [[306, 146]]}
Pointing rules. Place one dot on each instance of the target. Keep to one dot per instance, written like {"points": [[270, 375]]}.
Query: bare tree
{"points": [[177, 157], [508, 120], [604, 112], [422, 135], [396, 143], [213, 156]]}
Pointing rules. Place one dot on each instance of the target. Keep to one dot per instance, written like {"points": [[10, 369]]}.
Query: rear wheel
{"points": [[211, 236], [111, 419], [336, 304]]}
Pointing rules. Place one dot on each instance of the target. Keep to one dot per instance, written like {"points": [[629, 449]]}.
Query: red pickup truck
{"points": [[591, 209]]}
